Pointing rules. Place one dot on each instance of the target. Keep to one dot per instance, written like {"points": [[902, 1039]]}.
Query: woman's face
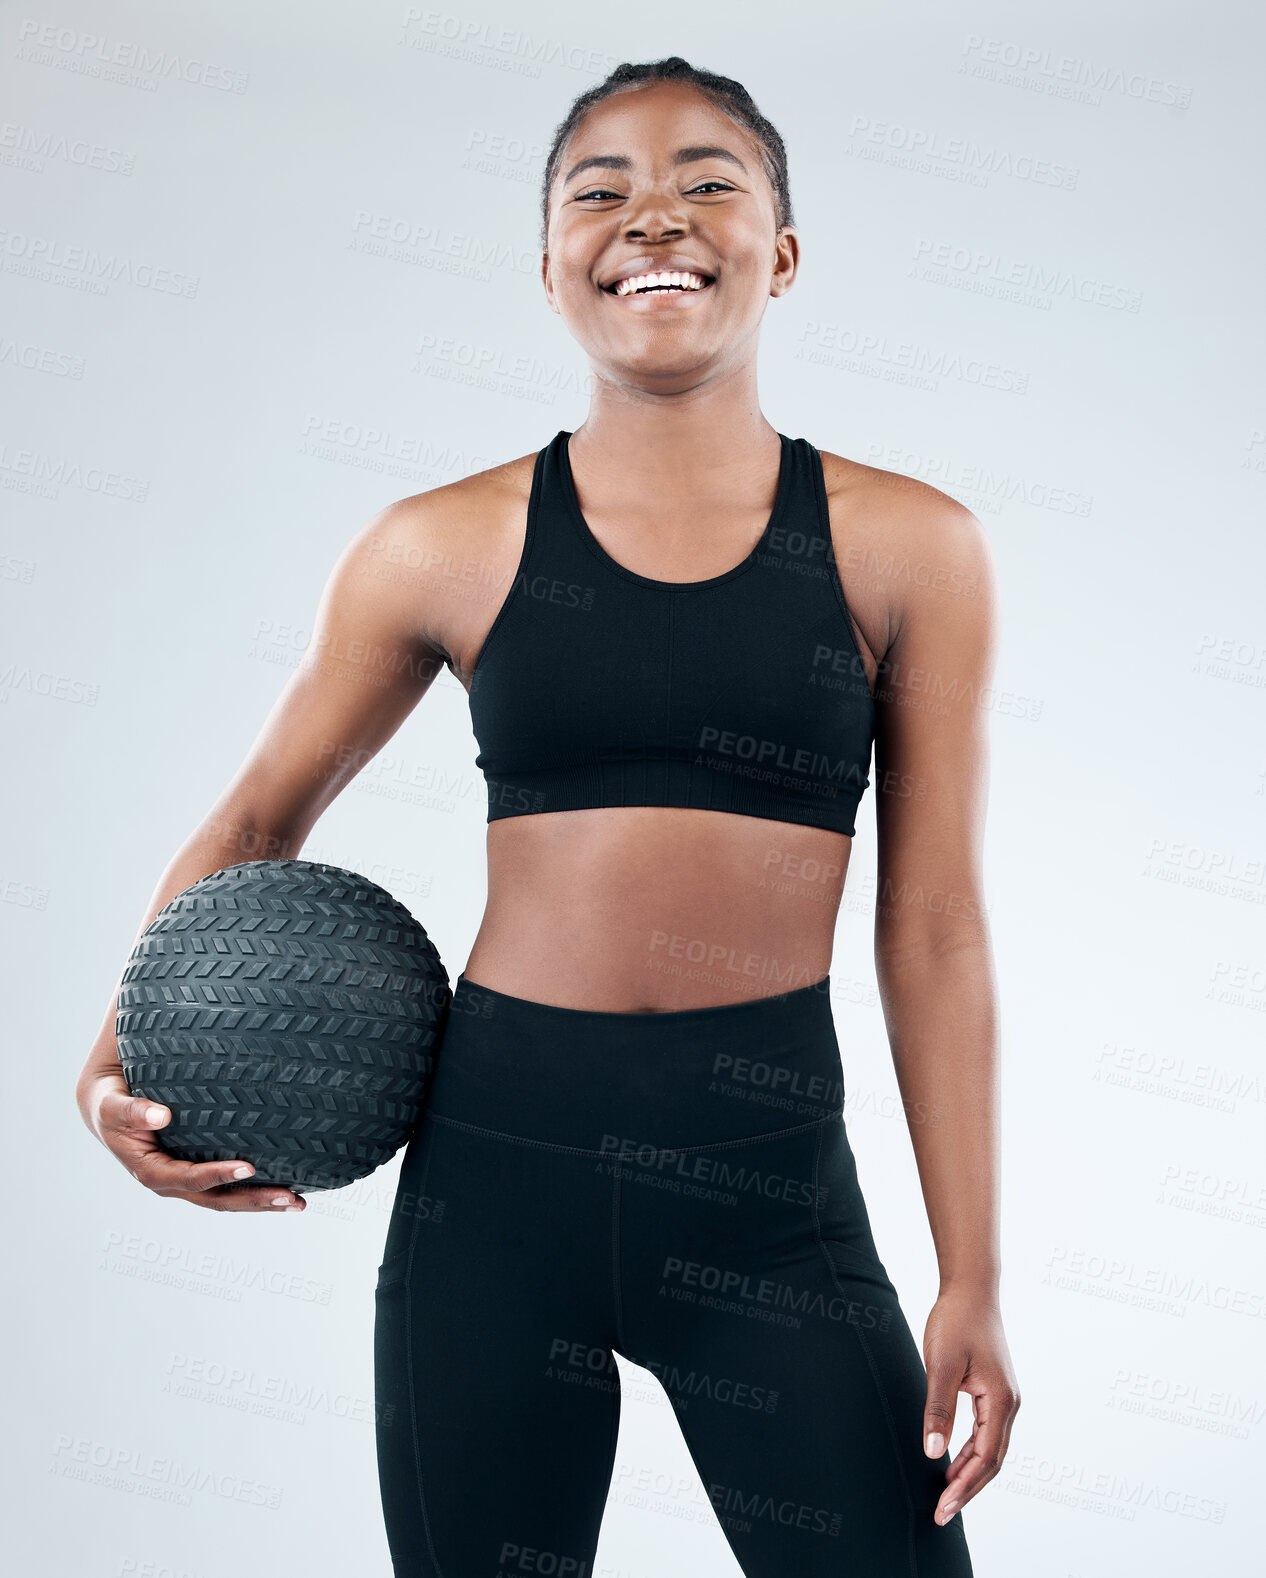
{"points": [[675, 183]]}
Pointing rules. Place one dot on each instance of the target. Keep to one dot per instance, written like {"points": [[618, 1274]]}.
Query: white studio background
{"points": [[267, 268]]}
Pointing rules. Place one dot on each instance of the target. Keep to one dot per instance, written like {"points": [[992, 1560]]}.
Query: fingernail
{"points": [[242, 1172], [936, 1444], [281, 1199], [296, 1208], [951, 1507], [154, 1114]]}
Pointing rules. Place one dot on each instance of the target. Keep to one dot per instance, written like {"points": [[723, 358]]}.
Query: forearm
{"points": [[941, 1014]]}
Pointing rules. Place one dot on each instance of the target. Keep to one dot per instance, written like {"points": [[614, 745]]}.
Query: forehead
{"points": [[652, 120]]}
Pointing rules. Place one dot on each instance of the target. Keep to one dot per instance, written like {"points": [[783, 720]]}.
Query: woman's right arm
{"points": [[374, 652]]}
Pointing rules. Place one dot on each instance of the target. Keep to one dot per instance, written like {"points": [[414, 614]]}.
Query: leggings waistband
{"points": [[600, 1081]]}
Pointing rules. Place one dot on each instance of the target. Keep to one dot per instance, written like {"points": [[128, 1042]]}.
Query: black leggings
{"points": [[678, 1188]]}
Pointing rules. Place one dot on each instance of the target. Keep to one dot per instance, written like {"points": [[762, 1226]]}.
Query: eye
{"points": [[601, 192]]}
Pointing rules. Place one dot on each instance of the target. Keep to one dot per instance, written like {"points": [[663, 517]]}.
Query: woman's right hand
{"points": [[122, 1122]]}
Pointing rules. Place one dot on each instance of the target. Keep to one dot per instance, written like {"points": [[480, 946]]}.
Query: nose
{"points": [[657, 215]]}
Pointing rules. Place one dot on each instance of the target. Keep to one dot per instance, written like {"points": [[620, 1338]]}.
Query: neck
{"points": [[711, 438]]}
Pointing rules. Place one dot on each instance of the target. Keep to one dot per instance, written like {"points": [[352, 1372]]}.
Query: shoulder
{"points": [[429, 559], [450, 530], [466, 515], [906, 535]]}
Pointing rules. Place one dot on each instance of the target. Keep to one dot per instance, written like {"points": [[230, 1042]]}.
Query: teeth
{"points": [[661, 281]]}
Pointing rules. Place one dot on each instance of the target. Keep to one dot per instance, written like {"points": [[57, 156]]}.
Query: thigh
{"points": [[762, 1307], [497, 1397]]}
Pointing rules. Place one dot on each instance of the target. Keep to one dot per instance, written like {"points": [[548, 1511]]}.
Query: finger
{"points": [[208, 1184], [966, 1451], [217, 1184], [120, 1113], [1011, 1412], [208, 1178], [268, 1198], [132, 1126], [983, 1463], [944, 1380]]}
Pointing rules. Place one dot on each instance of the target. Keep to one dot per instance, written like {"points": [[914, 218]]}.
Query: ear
{"points": [[547, 282], [786, 260]]}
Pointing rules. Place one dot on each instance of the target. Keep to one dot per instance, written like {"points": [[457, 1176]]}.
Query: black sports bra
{"points": [[744, 692]]}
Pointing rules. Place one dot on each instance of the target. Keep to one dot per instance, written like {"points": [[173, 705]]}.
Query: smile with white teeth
{"points": [[636, 283]]}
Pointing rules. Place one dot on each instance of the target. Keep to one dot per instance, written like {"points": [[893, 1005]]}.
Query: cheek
{"points": [[571, 275]]}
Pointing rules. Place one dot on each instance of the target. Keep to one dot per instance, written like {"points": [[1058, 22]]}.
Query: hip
{"points": [[722, 1127]]}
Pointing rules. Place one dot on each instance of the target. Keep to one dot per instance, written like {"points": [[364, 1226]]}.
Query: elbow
{"points": [[929, 927]]}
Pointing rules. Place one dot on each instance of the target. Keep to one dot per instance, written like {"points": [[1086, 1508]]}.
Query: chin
{"points": [[661, 355], [657, 369]]}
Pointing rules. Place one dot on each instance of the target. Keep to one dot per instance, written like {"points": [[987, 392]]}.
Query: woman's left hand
{"points": [[965, 1351]]}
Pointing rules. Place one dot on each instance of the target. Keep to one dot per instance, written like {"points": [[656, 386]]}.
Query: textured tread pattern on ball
{"points": [[288, 1012]]}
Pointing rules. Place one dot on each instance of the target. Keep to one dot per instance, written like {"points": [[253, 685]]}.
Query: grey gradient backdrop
{"points": [[266, 268]]}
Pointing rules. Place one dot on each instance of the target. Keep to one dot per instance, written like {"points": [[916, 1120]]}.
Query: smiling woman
{"points": [[676, 703], [677, 684]]}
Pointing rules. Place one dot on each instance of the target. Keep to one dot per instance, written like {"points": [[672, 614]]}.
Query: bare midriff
{"points": [[650, 909]]}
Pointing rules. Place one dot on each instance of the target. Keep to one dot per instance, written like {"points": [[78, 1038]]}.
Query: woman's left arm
{"points": [[933, 956]]}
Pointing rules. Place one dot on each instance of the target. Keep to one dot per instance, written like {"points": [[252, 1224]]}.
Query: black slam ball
{"points": [[289, 1014]]}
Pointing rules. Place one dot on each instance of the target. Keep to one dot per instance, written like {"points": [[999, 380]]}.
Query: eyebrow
{"points": [[618, 161]]}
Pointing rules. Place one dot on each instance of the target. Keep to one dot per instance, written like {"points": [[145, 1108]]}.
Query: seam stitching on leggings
{"points": [[613, 1437], [616, 1280], [657, 1150], [870, 1363], [413, 1391]]}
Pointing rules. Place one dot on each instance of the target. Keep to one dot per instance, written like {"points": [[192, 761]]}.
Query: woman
{"points": [[635, 1129]]}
